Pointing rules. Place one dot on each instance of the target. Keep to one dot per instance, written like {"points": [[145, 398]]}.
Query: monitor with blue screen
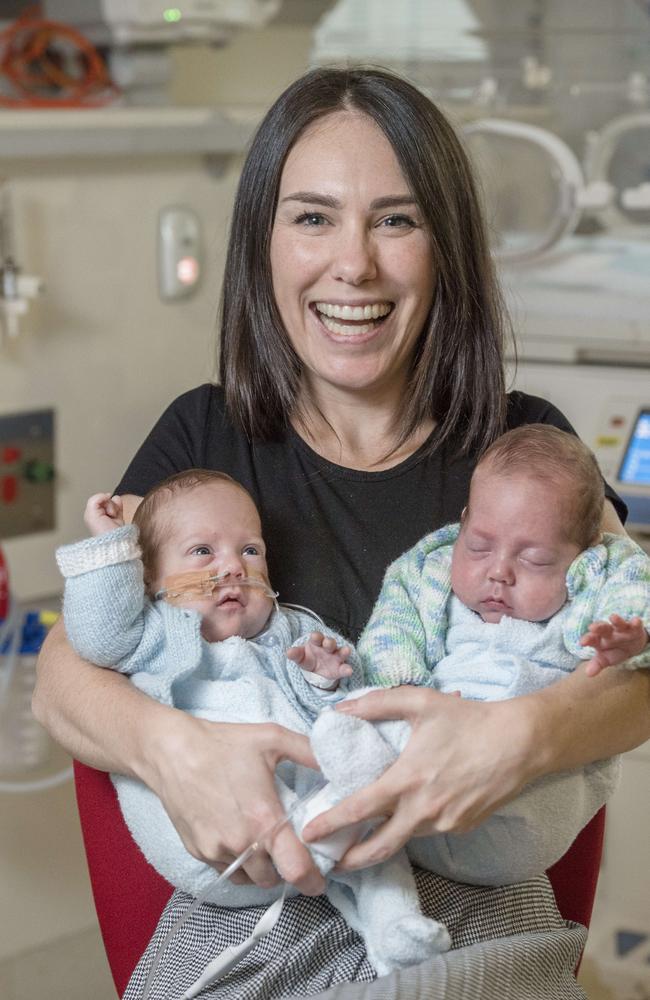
{"points": [[635, 466]]}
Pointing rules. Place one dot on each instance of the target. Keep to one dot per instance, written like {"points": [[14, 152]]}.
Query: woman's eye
{"points": [[398, 222], [310, 220]]}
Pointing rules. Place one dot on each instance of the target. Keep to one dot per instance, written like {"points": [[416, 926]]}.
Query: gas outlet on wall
{"points": [[179, 252]]}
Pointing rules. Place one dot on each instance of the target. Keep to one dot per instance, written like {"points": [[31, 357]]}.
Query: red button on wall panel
{"points": [[9, 489], [10, 454]]}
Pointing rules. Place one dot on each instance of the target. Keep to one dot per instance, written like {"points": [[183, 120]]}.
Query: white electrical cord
{"points": [[266, 923]]}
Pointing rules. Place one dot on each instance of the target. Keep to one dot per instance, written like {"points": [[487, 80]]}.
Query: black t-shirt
{"points": [[330, 531]]}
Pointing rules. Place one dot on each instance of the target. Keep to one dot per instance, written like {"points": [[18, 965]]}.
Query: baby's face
{"points": [[512, 556], [215, 528]]}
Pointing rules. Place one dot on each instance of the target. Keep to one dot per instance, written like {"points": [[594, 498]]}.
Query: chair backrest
{"points": [[130, 895]]}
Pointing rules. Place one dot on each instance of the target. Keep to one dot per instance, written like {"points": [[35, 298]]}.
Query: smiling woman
{"points": [[361, 379], [361, 195], [352, 266]]}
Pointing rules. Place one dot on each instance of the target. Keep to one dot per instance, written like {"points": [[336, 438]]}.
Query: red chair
{"points": [[130, 895]]}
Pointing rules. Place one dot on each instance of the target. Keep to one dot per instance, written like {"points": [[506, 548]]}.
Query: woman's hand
{"points": [[463, 760], [216, 783]]}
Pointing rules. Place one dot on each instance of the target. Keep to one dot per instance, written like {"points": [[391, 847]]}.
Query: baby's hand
{"points": [[103, 513], [321, 655], [614, 641]]}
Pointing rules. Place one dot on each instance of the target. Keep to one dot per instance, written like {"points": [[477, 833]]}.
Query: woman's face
{"points": [[351, 259]]}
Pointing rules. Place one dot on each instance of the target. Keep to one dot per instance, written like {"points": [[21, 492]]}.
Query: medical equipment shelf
{"points": [[125, 131]]}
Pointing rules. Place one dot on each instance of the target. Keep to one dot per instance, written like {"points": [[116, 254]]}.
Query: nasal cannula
{"points": [[196, 584]]}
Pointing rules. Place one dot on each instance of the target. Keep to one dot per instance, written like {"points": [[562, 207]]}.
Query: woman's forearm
{"points": [[216, 780], [96, 714], [583, 719]]}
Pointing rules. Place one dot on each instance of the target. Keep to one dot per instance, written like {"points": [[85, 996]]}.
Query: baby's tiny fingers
{"points": [[329, 644], [316, 638], [296, 653], [593, 667]]}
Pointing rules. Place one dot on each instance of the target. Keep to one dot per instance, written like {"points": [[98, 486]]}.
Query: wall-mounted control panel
{"points": [[27, 473]]}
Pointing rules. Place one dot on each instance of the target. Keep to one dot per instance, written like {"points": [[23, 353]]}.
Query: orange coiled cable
{"points": [[28, 60]]}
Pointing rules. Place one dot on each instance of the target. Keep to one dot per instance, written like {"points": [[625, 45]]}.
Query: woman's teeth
{"points": [[352, 317]]}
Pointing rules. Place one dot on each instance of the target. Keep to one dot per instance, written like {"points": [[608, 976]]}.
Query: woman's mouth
{"points": [[349, 320]]}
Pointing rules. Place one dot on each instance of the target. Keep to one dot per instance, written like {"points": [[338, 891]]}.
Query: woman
{"points": [[361, 374]]}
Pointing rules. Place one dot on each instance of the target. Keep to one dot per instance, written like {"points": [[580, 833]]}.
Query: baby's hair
{"points": [[150, 526], [553, 456]]}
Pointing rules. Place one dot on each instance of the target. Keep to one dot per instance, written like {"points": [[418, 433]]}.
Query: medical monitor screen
{"points": [[635, 467]]}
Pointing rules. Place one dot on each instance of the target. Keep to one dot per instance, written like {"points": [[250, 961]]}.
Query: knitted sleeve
{"points": [[304, 690], [610, 578], [404, 638], [103, 603]]}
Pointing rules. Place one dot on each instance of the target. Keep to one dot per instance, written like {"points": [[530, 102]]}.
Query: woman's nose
{"points": [[354, 261]]}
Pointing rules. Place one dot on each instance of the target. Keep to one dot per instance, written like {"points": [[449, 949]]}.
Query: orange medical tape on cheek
{"points": [[194, 584]]}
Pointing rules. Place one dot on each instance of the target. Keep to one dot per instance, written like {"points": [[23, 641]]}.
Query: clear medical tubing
{"points": [[263, 839], [197, 584]]}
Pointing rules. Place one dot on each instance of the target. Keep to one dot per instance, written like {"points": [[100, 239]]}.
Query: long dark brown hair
{"points": [[456, 374]]}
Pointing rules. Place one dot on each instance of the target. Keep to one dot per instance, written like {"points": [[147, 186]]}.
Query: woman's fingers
{"points": [[285, 744], [368, 803], [381, 844], [294, 862], [220, 809], [405, 702]]}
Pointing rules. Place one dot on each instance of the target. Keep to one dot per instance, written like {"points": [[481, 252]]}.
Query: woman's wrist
{"points": [[536, 741], [520, 724], [160, 736]]}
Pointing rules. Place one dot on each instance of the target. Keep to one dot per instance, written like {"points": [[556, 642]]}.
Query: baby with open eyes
{"points": [[181, 602]]}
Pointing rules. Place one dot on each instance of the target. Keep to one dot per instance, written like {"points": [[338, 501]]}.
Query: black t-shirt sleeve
{"points": [[175, 443], [525, 409]]}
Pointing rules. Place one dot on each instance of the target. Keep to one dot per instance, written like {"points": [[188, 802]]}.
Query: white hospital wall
{"points": [[100, 347], [108, 355]]}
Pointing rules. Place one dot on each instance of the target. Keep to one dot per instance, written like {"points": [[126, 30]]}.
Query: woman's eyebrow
{"points": [[329, 201]]}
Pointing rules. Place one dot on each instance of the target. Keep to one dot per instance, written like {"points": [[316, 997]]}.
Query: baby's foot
{"points": [[414, 938]]}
